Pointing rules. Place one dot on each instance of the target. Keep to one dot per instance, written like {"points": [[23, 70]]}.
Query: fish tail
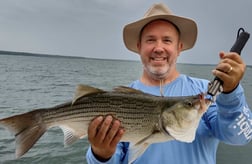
{"points": [[27, 127]]}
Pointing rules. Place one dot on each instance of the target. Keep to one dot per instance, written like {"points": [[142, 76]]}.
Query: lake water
{"points": [[28, 82]]}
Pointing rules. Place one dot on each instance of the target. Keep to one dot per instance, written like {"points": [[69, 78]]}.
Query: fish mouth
{"points": [[204, 99]]}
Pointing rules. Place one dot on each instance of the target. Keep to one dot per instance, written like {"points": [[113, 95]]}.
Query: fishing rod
{"points": [[215, 86]]}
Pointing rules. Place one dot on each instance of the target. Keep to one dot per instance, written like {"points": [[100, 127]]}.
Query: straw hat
{"points": [[186, 26]]}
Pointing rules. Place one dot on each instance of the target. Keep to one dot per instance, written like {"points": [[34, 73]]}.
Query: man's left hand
{"points": [[230, 70]]}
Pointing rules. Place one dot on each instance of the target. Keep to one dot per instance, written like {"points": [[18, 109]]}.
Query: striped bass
{"points": [[146, 118]]}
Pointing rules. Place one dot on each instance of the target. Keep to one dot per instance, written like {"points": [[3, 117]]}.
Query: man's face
{"points": [[159, 47]]}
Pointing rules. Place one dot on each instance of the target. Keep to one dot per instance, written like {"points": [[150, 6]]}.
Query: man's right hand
{"points": [[104, 133]]}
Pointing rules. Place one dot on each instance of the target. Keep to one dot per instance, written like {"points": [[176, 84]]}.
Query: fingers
{"points": [[110, 131], [231, 56], [116, 133], [229, 62], [203, 103], [104, 133], [104, 129], [230, 70], [93, 126]]}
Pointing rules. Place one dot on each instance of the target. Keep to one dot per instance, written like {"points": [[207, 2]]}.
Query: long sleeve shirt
{"points": [[229, 120]]}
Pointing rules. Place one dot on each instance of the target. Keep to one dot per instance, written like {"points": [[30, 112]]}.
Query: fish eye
{"points": [[188, 103]]}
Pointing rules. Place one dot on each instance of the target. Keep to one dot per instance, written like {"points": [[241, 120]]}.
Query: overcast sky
{"points": [[93, 28]]}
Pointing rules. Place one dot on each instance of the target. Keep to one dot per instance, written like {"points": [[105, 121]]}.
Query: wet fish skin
{"points": [[145, 118]]}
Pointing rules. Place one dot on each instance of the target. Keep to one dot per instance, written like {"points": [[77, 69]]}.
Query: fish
{"points": [[145, 118]]}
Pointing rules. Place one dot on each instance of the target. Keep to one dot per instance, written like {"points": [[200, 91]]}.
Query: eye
{"points": [[150, 40], [188, 103], [167, 40]]}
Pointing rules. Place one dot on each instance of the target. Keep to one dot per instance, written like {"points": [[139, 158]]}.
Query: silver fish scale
{"points": [[136, 112]]}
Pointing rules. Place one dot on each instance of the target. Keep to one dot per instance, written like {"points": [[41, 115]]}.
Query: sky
{"points": [[93, 28]]}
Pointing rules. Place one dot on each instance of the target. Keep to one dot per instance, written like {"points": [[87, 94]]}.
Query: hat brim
{"points": [[186, 26]]}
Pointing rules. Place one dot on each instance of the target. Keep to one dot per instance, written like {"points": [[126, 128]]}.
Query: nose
{"points": [[158, 48]]}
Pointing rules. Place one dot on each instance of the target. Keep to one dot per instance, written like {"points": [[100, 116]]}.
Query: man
{"points": [[159, 38]]}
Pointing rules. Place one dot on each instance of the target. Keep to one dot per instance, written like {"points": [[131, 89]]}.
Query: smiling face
{"points": [[159, 47]]}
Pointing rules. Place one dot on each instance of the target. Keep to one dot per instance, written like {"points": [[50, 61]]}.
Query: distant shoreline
{"points": [[34, 54], [14, 53]]}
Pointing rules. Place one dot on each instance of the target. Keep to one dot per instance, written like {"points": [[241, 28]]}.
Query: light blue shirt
{"points": [[228, 120]]}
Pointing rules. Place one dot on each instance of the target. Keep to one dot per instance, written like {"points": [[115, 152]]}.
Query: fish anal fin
{"points": [[85, 90], [72, 133]]}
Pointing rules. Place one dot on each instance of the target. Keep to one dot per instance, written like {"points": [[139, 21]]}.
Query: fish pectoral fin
{"points": [[136, 150], [144, 139], [84, 90], [124, 89], [70, 135], [139, 147]]}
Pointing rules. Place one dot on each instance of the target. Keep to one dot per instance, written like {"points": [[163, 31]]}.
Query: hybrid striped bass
{"points": [[146, 118]]}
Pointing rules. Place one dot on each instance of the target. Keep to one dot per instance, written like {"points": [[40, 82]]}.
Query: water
{"points": [[28, 82]]}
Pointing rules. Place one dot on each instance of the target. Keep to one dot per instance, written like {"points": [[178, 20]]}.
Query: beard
{"points": [[157, 73]]}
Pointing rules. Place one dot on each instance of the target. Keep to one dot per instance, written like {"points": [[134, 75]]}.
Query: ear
{"points": [[180, 47], [138, 45]]}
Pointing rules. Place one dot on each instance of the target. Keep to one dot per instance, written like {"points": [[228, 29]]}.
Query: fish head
{"points": [[181, 120]]}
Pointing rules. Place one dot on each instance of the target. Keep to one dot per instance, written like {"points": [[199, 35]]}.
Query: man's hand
{"points": [[103, 134], [230, 70]]}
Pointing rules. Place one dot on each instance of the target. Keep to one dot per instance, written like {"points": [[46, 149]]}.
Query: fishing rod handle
{"points": [[240, 42]]}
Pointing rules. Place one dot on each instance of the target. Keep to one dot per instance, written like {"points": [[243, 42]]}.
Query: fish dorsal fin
{"points": [[124, 89], [84, 90]]}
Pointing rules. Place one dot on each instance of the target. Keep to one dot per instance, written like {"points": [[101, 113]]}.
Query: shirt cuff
{"points": [[231, 102], [92, 159]]}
